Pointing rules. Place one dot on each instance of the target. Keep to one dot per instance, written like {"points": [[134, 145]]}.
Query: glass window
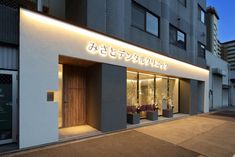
{"points": [[177, 37], [201, 50], [181, 39], [173, 35], [201, 14], [151, 24], [180, 36], [144, 20], [161, 93], [167, 93], [132, 89], [6, 97], [173, 96], [146, 89], [138, 16], [183, 2]]}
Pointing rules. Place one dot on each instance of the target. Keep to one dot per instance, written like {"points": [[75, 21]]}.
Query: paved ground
{"points": [[206, 135]]}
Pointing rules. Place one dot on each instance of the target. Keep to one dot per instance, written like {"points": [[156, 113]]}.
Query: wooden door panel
{"points": [[74, 94]]}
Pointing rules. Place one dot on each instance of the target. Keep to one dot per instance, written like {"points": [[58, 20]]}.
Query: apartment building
{"points": [[219, 68], [98, 63], [213, 44], [228, 49]]}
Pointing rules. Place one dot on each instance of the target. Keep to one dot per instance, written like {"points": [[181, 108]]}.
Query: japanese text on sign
{"points": [[108, 51]]}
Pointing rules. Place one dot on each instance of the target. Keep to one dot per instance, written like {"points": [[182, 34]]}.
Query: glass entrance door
{"points": [[8, 108]]}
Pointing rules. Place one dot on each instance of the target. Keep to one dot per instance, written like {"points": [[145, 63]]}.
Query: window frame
{"points": [[199, 53], [176, 37], [145, 10], [200, 10], [183, 4]]}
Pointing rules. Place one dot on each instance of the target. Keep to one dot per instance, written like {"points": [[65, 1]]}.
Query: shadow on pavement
{"points": [[227, 115]]}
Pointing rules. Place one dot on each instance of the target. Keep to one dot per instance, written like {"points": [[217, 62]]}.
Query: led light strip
{"points": [[49, 21]]}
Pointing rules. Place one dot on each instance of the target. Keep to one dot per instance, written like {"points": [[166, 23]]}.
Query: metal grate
{"points": [[10, 3]]}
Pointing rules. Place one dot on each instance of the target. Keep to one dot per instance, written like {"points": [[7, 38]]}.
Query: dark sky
{"points": [[226, 12]]}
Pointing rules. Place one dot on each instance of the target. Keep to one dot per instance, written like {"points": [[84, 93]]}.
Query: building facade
{"points": [[219, 81], [228, 49], [219, 68], [101, 64]]}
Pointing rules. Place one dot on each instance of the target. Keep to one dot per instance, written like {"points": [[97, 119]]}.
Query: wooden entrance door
{"points": [[74, 96]]}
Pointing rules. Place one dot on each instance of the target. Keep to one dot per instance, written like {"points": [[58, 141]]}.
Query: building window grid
{"points": [[147, 18]]}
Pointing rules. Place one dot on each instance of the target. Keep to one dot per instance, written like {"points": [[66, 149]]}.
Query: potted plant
{"points": [[132, 116], [168, 112], [152, 112]]}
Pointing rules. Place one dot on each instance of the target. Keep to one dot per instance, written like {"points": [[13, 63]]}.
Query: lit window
{"points": [[144, 90]]}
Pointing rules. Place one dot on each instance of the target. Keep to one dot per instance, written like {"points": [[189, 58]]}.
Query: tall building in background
{"points": [[228, 49], [213, 44], [219, 72]]}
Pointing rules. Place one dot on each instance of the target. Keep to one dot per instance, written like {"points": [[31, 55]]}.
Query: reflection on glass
{"points": [[151, 24], [146, 90], [132, 89], [161, 93], [5, 106], [174, 94]]}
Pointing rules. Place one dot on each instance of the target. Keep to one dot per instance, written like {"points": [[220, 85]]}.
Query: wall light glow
{"points": [[162, 60]]}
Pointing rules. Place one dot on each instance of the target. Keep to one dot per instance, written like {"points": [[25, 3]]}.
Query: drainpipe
{"points": [[39, 5]]}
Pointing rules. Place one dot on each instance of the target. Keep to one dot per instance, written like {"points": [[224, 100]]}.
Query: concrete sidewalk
{"points": [[205, 135]]}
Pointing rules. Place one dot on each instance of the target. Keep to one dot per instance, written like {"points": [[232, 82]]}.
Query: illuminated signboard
{"points": [[108, 51]]}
